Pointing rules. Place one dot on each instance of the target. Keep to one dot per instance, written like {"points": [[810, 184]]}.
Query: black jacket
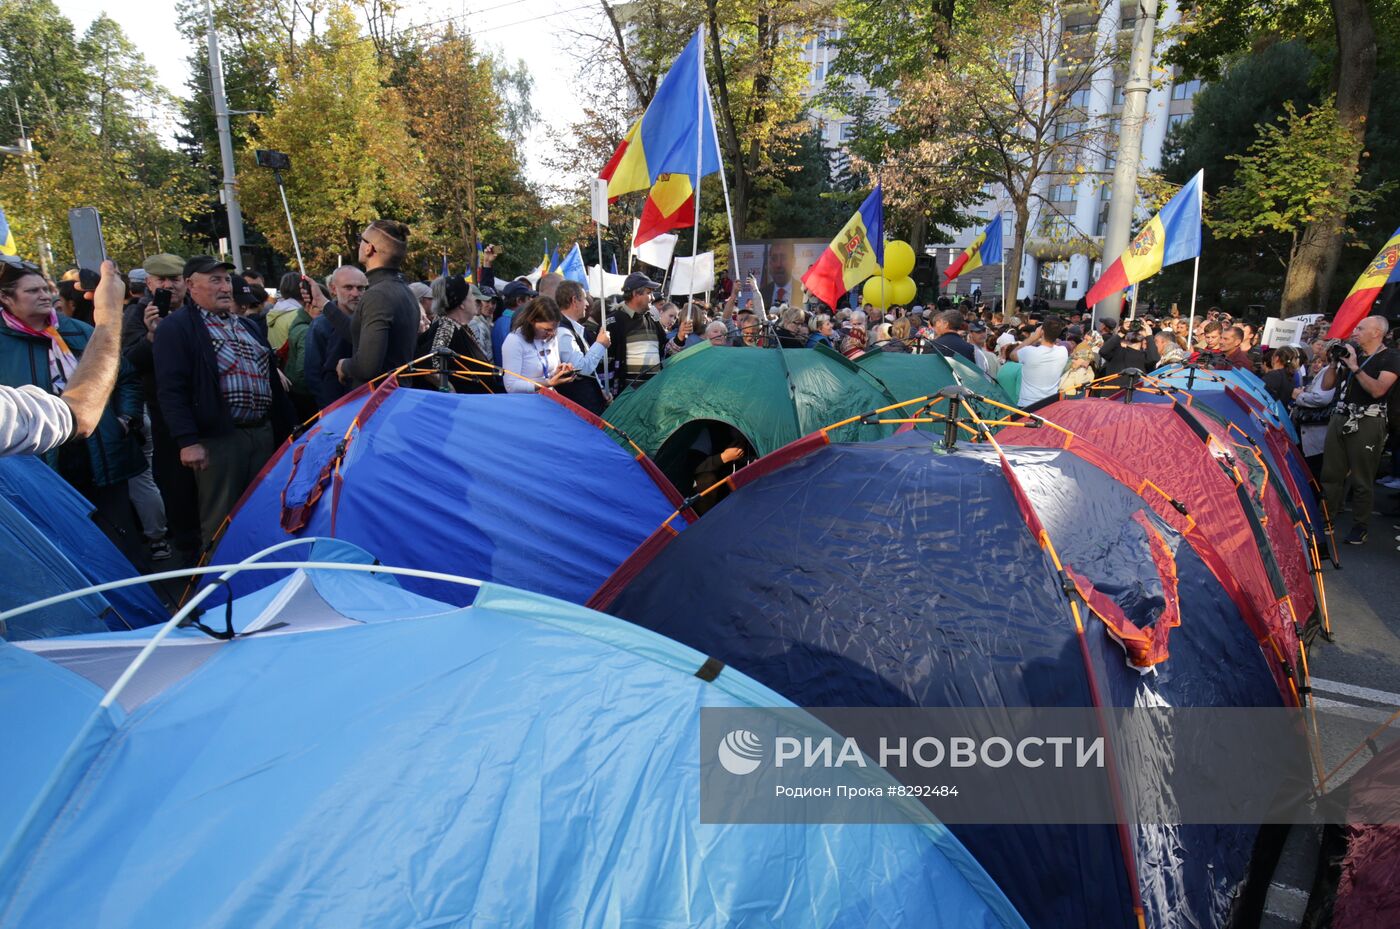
{"points": [[384, 330], [1117, 357], [952, 342], [187, 379], [327, 344]]}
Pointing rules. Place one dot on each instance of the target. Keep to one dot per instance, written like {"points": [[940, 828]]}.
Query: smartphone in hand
{"points": [[89, 248]]}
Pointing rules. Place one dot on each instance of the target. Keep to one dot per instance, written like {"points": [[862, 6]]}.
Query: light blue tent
{"points": [[362, 756], [51, 544], [1194, 378]]}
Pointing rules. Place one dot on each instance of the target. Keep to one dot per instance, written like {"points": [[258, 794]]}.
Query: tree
{"points": [[347, 133], [1227, 115], [41, 67], [1004, 107], [1348, 28], [90, 110], [1300, 168], [467, 132]]}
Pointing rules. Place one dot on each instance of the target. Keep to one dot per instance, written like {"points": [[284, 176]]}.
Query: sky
{"points": [[535, 31]]}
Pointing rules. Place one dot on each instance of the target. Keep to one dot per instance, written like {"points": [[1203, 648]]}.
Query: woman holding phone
{"points": [[532, 355]]}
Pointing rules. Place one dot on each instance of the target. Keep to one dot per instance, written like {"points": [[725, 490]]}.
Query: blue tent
{"points": [[1196, 379], [923, 584], [367, 757], [51, 544], [522, 489]]}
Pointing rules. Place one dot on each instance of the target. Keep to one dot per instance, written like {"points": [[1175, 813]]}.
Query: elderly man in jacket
{"points": [[220, 390]]}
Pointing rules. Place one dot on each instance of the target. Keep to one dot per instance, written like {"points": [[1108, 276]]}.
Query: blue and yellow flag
{"points": [[7, 239], [664, 140]]}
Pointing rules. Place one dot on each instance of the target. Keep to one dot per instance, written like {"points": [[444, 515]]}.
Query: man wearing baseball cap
{"points": [[219, 389], [638, 341]]}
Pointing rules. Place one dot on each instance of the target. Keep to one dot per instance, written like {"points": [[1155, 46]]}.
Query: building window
{"points": [[1080, 99], [819, 71], [1065, 130], [1082, 28], [1120, 95], [1059, 193], [1176, 119], [848, 131], [1185, 90], [1107, 193]]}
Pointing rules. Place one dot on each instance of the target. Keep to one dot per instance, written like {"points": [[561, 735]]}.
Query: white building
{"points": [[1065, 234]]}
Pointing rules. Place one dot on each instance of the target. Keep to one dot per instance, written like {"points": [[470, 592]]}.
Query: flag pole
{"points": [[1132, 312], [1191, 326], [1001, 220], [699, 151], [728, 210]]}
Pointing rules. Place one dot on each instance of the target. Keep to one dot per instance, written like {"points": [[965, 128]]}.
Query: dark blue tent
{"points": [[366, 757], [891, 574], [522, 489], [51, 544]]}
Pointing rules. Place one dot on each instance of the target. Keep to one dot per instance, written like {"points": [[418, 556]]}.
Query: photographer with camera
{"points": [[1365, 374]]}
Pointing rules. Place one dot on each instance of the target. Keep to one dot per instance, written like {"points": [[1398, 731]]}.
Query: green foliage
{"points": [[91, 108], [347, 133], [1299, 169]]}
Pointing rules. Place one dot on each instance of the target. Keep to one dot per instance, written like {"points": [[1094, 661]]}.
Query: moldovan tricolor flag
{"points": [[670, 205], [1172, 235], [856, 253], [1381, 271], [666, 138], [984, 250]]}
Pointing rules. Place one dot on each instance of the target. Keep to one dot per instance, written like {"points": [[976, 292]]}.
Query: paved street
{"points": [[1354, 677]]}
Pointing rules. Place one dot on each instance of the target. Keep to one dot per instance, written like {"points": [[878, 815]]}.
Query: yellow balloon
{"points": [[904, 290], [899, 260], [877, 293]]}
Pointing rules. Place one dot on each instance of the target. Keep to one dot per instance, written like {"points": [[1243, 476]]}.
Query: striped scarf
{"points": [[62, 361]]}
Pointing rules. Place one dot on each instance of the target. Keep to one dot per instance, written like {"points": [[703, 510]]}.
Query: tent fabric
{"points": [[1250, 416], [1193, 379], [908, 376], [518, 762], [525, 489], [922, 584], [52, 544], [1360, 862], [772, 396], [1205, 477], [1282, 520]]}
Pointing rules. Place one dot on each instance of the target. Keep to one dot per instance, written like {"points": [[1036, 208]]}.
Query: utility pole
{"points": [[230, 185], [25, 151], [1125, 174]]}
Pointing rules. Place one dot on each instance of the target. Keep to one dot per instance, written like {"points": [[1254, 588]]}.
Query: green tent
{"points": [[909, 376], [772, 396]]}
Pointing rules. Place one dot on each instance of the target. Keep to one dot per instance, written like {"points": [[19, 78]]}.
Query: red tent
{"points": [[1192, 473]]}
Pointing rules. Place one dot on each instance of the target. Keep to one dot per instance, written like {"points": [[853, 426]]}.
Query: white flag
{"points": [[609, 286], [693, 275], [600, 201], [657, 252]]}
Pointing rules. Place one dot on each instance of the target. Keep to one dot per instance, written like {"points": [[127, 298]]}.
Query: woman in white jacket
{"points": [[533, 356]]}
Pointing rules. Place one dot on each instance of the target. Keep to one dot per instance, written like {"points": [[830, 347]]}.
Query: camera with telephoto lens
{"points": [[161, 298], [1336, 352]]}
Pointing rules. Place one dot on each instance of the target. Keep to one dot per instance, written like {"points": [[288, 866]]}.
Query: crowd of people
{"points": [[161, 394]]}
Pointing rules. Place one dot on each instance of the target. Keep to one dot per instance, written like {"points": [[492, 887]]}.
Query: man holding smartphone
{"points": [[170, 511]]}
